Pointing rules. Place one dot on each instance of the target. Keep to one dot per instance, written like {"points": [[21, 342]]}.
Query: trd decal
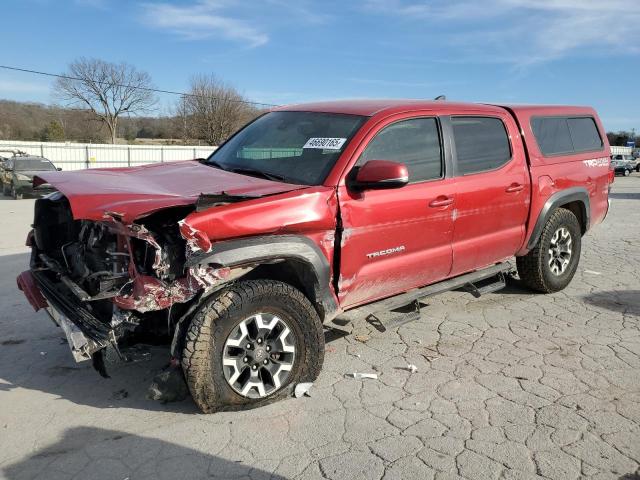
{"points": [[597, 162]]}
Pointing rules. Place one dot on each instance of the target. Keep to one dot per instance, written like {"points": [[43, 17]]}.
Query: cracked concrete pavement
{"points": [[512, 385]]}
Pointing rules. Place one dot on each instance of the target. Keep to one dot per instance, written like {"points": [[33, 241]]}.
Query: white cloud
{"points": [[203, 19], [528, 31]]}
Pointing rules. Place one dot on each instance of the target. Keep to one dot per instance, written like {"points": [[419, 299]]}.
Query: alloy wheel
{"points": [[560, 251], [258, 355]]}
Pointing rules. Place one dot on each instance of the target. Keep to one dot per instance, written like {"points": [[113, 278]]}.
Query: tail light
{"points": [[612, 174]]}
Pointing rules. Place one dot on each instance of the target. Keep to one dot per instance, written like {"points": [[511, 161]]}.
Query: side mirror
{"points": [[379, 175], [59, 169]]}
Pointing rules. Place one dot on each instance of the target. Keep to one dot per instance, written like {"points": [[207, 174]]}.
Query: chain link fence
{"points": [[78, 156]]}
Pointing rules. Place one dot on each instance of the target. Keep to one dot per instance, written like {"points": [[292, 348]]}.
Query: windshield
{"points": [[297, 147], [35, 164]]}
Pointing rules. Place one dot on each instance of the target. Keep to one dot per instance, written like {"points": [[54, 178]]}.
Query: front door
{"points": [[398, 239]]}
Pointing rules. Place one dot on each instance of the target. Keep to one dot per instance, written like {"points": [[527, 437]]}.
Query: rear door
{"points": [[492, 190], [396, 240]]}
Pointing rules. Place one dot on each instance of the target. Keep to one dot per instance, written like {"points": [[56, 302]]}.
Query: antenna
{"points": [[441, 98]]}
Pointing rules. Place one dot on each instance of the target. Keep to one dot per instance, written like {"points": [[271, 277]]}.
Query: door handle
{"points": [[441, 201], [515, 187]]}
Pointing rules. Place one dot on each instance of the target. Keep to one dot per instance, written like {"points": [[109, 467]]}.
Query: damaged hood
{"points": [[138, 191]]}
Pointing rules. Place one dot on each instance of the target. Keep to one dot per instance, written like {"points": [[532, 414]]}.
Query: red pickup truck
{"points": [[242, 259]]}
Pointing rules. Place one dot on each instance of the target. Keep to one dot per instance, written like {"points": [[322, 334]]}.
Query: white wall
{"points": [[621, 150], [77, 156]]}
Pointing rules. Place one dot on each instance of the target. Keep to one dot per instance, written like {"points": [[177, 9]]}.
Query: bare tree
{"points": [[107, 89], [212, 110]]}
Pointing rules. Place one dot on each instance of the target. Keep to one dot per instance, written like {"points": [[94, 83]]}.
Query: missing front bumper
{"points": [[82, 348]]}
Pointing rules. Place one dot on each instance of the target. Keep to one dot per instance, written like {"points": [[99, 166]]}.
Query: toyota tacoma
{"points": [[239, 261]]}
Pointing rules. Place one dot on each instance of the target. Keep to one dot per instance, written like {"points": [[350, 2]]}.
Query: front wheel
{"points": [[250, 344], [627, 173], [552, 263]]}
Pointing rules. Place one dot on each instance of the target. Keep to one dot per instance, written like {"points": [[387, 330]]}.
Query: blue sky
{"points": [[286, 51]]}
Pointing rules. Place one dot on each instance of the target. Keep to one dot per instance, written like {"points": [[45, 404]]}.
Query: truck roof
{"points": [[370, 107]]}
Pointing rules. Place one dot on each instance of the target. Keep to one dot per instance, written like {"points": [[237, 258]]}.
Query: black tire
{"points": [[534, 269], [627, 173], [14, 193], [215, 321]]}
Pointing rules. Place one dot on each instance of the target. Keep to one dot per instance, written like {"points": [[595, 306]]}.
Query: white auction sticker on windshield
{"points": [[325, 143]]}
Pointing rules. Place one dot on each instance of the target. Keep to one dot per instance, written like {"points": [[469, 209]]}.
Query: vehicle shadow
{"points": [[630, 476], [621, 301], [87, 452], [515, 287]]}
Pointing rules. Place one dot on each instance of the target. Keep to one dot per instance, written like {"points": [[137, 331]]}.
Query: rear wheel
{"points": [[15, 194], [552, 263], [627, 173], [250, 344]]}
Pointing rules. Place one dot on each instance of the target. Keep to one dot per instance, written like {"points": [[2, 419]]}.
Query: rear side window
{"points": [[584, 134], [558, 135], [414, 142], [481, 144]]}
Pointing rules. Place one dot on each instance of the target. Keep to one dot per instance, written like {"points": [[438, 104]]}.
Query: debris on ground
{"points": [[168, 386], [592, 272], [362, 338], [362, 376], [302, 389], [412, 368], [43, 353]]}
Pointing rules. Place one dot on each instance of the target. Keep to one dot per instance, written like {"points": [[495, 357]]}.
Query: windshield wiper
{"points": [[259, 173]]}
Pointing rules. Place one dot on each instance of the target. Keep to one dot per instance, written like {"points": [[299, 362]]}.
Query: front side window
{"points": [[294, 147], [414, 142], [482, 144]]}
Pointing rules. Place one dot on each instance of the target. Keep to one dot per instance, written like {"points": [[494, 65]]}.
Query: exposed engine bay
{"points": [[118, 284]]}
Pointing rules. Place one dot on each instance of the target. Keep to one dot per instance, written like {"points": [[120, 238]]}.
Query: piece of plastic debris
{"points": [[412, 368], [302, 389], [362, 338], [43, 353], [362, 376], [592, 272]]}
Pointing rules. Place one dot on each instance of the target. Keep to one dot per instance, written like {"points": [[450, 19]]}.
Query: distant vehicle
{"points": [[18, 172], [5, 155], [627, 159], [622, 167]]}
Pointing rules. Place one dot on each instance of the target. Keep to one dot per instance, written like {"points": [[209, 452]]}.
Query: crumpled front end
{"points": [[111, 282]]}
